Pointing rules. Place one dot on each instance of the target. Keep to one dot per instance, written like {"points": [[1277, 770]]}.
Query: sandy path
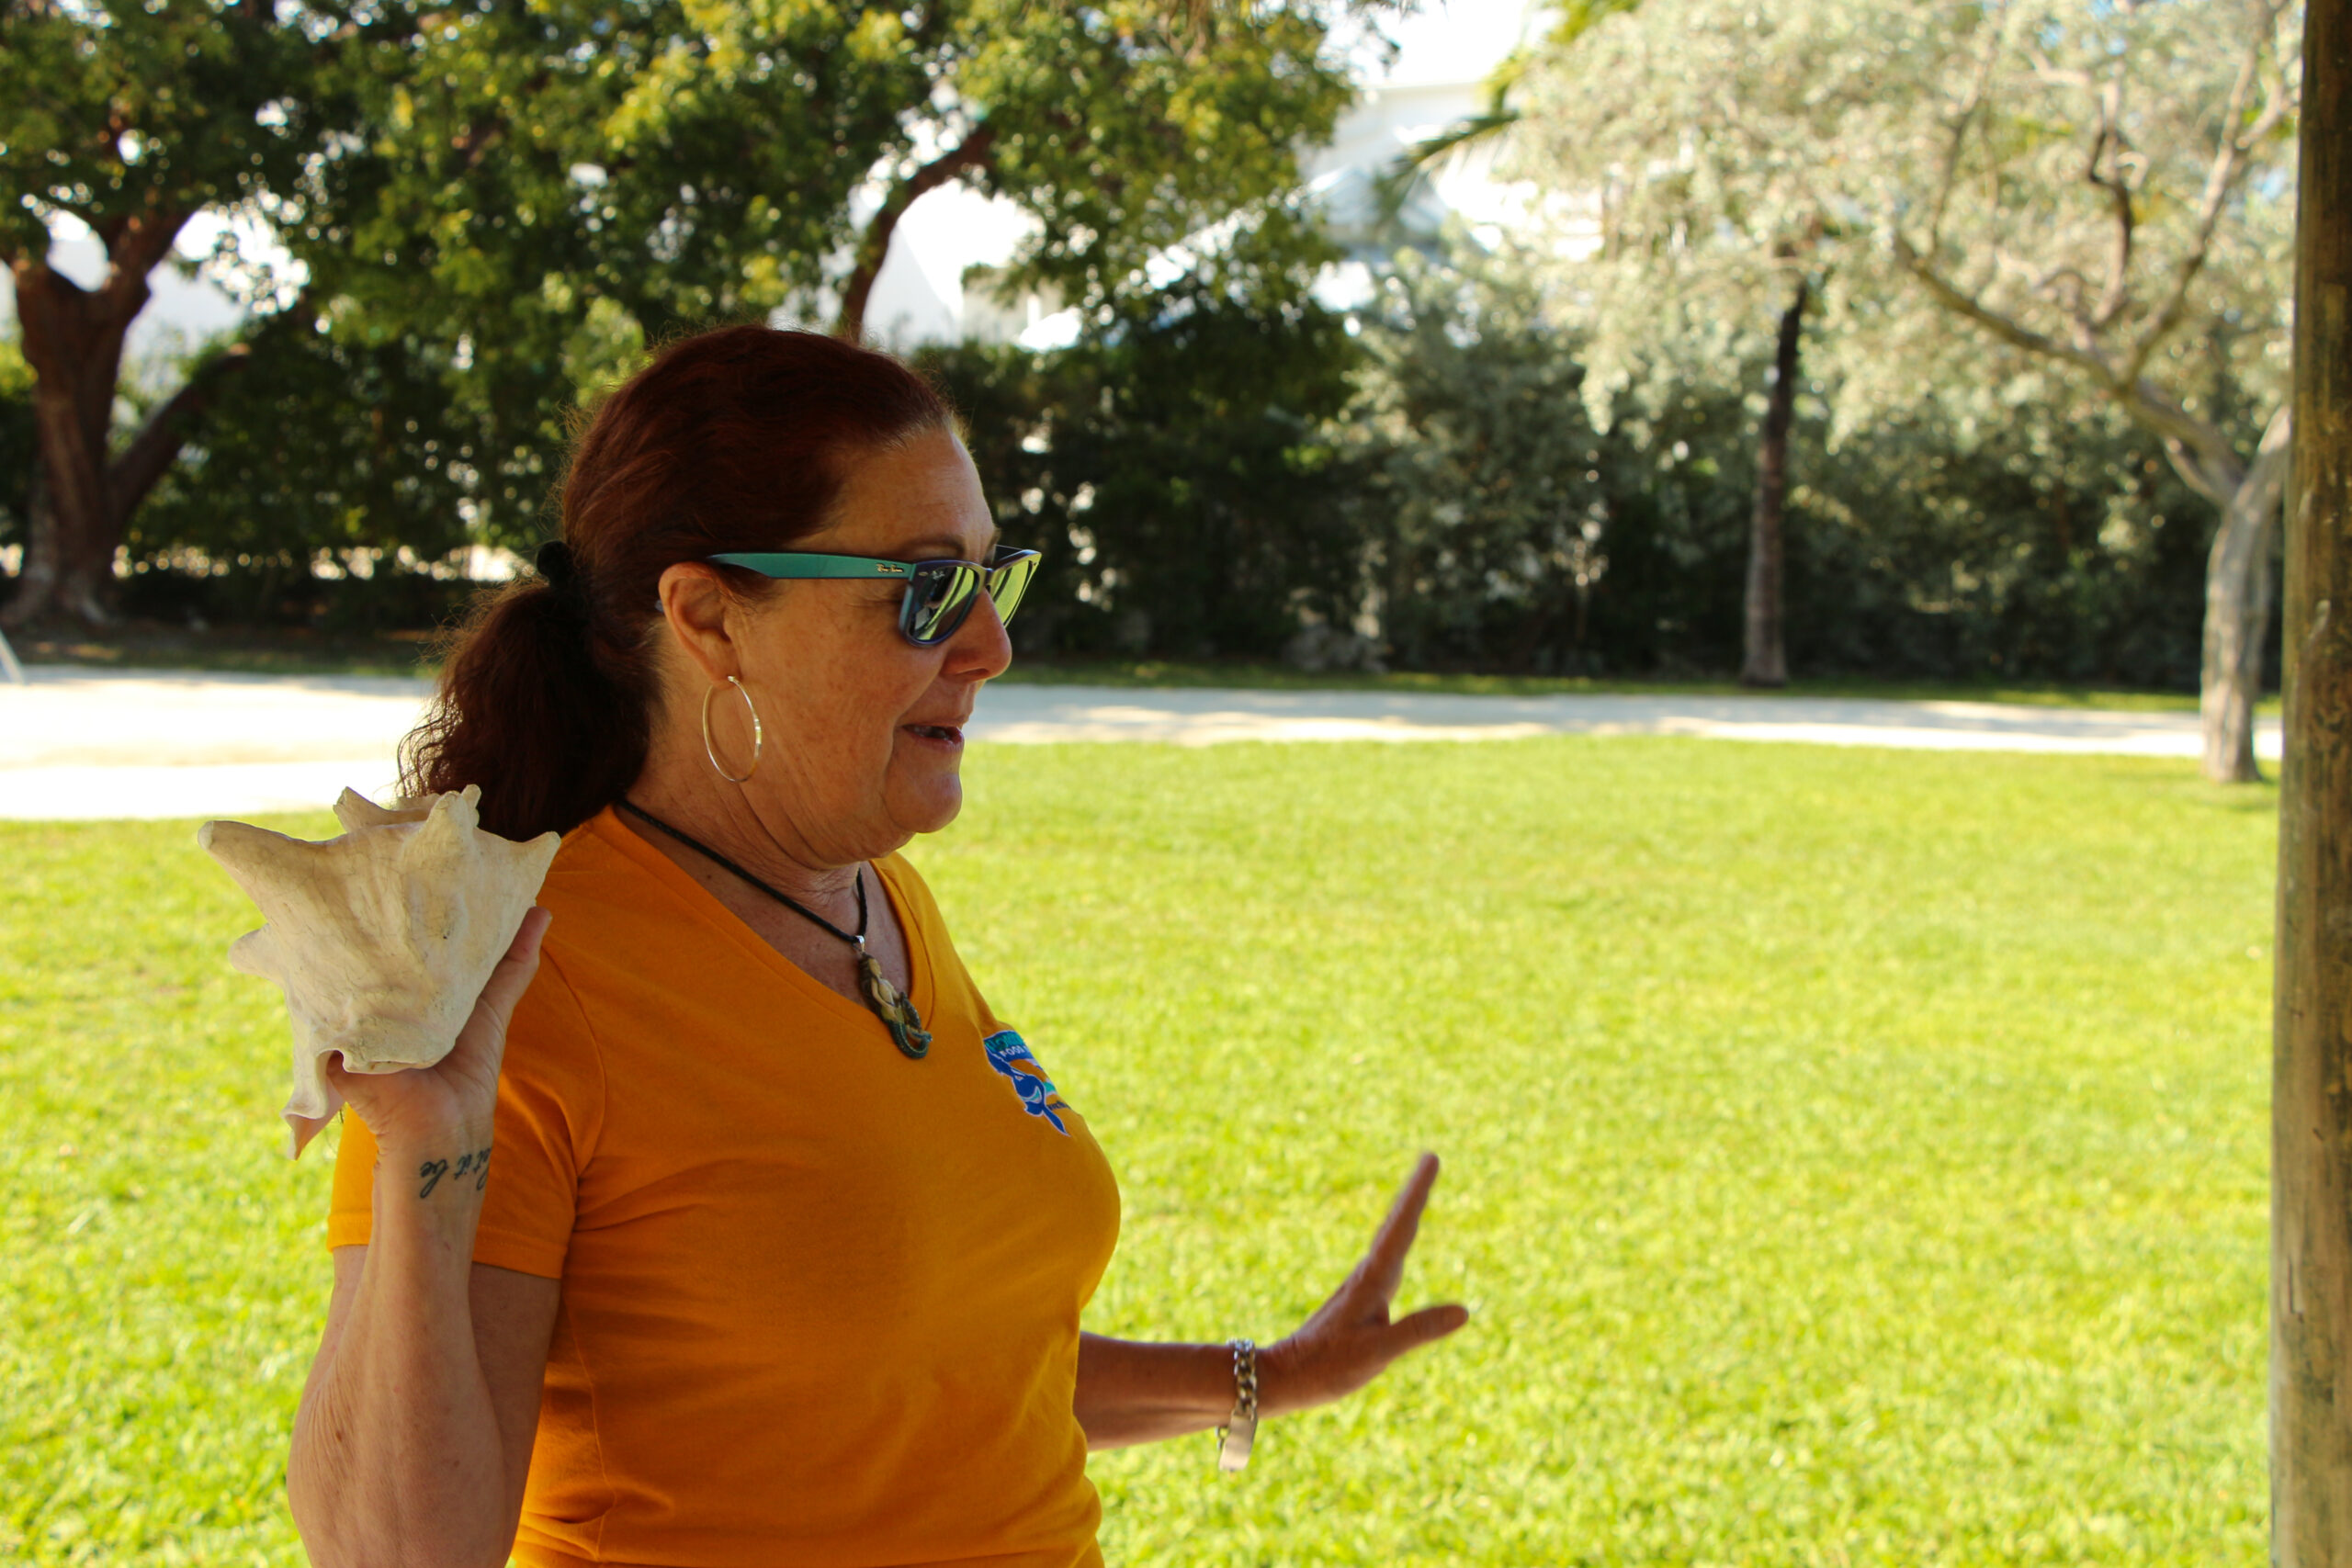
{"points": [[84, 743]]}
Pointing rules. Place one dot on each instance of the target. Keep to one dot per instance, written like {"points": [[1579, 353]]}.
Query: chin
{"points": [[929, 805]]}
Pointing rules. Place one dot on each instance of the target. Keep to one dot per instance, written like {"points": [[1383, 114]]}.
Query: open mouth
{"points": [[945, 734]]}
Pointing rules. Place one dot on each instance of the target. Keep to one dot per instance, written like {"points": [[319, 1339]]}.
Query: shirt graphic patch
{"points": [[1009, 1054]]}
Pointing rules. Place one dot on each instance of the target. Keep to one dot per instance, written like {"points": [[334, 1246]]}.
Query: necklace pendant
{"points": [[914, 1043], [894, 1007]]}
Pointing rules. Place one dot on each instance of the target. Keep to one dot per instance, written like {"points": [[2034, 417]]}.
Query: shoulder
{"points": [[915, 901], [607, 889], [908, 884]]}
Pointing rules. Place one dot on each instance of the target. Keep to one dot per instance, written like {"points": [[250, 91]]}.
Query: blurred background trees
{"points": [[130, 123], [2001, 237], [2104, 192]]}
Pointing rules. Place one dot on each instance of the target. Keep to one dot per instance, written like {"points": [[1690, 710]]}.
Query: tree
{"points": [[546, 188], [1697, 160], [131, 118], [2310, 1120], [2096, 186], [1122, 129], [2112, 194], [321, 453], [1176, 465], [1486, 508], [518, 196]]}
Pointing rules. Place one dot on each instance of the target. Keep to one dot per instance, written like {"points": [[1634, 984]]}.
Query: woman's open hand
{"points": [[1350, 1339], [424, 1105]]}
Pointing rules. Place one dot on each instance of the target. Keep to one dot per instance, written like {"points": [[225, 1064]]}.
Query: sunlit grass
{"points": [[1853, 1156]]}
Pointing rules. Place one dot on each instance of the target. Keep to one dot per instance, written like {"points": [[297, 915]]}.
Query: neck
{"points": [[778, 855]]}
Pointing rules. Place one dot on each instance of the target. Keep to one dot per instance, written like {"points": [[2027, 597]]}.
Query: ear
{"points": [[706, 618]]}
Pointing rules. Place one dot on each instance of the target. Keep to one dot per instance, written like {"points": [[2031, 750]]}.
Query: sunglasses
{"points": [[940, 593]]}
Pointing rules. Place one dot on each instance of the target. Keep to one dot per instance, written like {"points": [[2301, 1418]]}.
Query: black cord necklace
{"points": [[892, 1005]]}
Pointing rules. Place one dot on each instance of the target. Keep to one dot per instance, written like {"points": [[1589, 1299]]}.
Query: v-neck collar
{"points": [[701, 901]]}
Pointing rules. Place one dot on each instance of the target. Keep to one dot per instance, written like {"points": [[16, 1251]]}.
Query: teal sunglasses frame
{"points": [[933, 610]]}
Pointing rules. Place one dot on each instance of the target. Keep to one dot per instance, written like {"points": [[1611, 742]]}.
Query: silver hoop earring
{"points": [[758, 739]]}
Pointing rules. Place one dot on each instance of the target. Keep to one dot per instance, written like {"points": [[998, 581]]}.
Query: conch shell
{"points": [[381, 939]]}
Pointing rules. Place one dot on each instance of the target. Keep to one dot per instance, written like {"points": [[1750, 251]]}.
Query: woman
{"points": [[754, 1237]]}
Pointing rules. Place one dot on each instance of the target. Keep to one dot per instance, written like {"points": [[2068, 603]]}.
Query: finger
{"points": [[1384, 1265], [1425, 1326]]}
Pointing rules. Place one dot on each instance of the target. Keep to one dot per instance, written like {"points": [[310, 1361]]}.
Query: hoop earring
{"points": [[759, 738]]}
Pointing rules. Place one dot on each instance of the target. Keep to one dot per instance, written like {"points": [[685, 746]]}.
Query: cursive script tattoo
{"points": [[476, 1164]]}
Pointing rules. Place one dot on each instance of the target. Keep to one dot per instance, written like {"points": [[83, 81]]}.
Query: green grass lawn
{"points": [[1853, 1156]]}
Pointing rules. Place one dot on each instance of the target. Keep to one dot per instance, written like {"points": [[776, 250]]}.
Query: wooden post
{"points": [[2311, 1116]]}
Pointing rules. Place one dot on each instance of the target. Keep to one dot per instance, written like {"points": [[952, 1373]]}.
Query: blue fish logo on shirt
{"points": [[1009, 1054]]}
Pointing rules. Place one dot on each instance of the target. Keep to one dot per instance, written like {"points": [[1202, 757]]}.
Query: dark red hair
{"points": [[736, 439]]}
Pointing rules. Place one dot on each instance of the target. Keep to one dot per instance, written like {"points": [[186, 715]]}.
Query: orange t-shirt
{"points": [[820, 1302]]}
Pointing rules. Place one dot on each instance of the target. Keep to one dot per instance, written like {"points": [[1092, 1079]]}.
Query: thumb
{"points": [[513, 976], [1427, 1326]]}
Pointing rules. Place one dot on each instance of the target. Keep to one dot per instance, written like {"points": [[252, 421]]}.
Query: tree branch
{"points": [[2229, 166], [142, 462], [873, 250], [135, 248], [2117, 292], [2266, 481], [2009, 330], [2200, 450], [1960, 129]]}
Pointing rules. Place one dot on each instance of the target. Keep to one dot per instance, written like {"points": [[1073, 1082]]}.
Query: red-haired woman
{"points": [[754, 1237]]}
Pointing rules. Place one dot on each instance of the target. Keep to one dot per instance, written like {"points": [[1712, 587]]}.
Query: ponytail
{"points": [[526, 713], [736, 439]]}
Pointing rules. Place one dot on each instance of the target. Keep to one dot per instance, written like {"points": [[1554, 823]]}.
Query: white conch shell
{"points": [[381, 939]]}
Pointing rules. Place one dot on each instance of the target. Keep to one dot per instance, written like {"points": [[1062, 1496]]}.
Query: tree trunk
{"points": [[1766, 663], [76, 362], [2237, 608], [73, 338], [2310, 1112]]}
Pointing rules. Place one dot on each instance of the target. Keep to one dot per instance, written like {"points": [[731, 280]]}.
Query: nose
{"points": [[981, 649]]}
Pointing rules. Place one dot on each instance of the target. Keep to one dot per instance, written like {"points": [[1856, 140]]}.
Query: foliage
{"points": [[1852, 1155], [129, 120], [1176, 465], [1716, 141], [124, 113], [517, 198], [321, 451], [546, 189], [1510, 530], [2051, 542], [2045, 546]]}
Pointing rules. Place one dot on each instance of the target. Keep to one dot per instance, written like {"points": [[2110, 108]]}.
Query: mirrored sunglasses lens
{"points": [[1008, 583], [938, 599]]}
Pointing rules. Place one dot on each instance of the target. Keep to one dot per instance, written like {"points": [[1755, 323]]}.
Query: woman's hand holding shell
{"points": [[450, 1103], [384, 940]]}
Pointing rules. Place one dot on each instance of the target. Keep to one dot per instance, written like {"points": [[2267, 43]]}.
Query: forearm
{"points": [[397, 1456], [1133, 1391]]}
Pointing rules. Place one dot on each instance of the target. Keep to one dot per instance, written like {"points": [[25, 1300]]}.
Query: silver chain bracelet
{"points": [[1241, 1428]]}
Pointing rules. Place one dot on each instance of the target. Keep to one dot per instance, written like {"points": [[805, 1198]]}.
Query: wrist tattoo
{"points": [[476, 1165]]}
